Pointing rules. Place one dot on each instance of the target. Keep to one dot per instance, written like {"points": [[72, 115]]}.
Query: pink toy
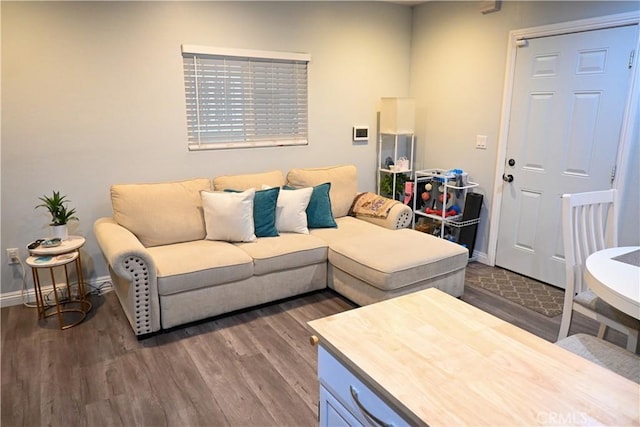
{"points": [[408, 192]]}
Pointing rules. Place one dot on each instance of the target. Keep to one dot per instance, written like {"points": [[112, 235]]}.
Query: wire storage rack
{"points": [[439, 202]]}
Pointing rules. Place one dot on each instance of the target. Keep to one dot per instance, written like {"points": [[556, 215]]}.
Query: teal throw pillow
{"points": [[319, 214], [264, 211]]}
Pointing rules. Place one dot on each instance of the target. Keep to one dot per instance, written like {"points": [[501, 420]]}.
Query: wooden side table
{"points": [[51, 258]]}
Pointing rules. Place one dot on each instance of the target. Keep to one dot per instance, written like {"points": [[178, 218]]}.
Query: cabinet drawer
{"points": [[353, 394], [333, 414]]}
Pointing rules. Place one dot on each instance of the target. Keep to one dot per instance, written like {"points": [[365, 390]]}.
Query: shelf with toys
{"points": [[444, 206], [395, 164], [395, 146]]}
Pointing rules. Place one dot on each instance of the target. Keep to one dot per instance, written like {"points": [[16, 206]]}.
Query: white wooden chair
{"points": [[585, 220]]}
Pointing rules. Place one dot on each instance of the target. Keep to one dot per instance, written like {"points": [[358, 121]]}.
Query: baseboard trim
{"points": [[481, 257], [8, 299]]}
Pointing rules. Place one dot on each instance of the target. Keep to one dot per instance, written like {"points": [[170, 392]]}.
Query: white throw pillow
{"points": [[291, 215], [229, 216]]}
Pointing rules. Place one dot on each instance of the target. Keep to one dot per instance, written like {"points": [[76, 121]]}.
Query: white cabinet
{"points": [[439, 203], [395, 163], [345, 400], [333, 413]]}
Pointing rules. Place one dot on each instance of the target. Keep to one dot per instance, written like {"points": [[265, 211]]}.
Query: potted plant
{"points": [[386, 184], [60, 215]]}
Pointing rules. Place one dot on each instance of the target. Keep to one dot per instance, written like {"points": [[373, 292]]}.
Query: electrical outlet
{"points": [[13, 255]]}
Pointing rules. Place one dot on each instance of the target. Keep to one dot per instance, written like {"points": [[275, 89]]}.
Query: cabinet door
{"points": [[332, 413], [353, 394]]}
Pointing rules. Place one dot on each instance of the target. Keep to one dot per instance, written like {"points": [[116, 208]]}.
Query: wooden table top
{"points": [[441, 361]]}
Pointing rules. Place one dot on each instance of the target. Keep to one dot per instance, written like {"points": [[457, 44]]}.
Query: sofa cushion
{"points": [[391, 259], [161, 213], [229, 216], [246, 181], [289, 250], [348, 228], [343, 179], [198, 264], [319, 213], [264, 211], [291, 210]]}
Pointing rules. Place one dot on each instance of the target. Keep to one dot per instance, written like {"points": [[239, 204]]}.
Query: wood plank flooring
{"points": [[253, 368]]}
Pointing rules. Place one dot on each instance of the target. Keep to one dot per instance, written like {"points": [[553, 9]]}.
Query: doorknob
{"points": [[507, 178]]}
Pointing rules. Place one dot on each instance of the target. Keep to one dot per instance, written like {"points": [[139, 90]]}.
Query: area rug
{"points": [[537, 296]]}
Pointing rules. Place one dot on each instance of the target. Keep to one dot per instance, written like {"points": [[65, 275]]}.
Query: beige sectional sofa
{"points": [[167, 269]]}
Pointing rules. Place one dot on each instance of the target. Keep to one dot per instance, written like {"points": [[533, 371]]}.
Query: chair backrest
{"points": [[589, 224]]}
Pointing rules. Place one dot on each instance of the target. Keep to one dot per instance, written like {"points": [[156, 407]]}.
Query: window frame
{"points": [[251, 136]]}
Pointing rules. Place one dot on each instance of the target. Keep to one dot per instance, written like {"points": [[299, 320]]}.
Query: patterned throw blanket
{"points": [[370, 204]]}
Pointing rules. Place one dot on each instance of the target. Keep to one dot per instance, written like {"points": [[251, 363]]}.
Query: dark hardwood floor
{"points": [[253, 368]]}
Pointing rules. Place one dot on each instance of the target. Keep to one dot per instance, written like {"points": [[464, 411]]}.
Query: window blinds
{"points": [[245, 101]]}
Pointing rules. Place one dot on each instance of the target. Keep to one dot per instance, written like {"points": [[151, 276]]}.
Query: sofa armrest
{"points": [[133, 273], [399, 217]]}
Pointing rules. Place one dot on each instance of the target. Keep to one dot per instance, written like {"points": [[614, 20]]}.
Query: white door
{"points": [[568, 102]]}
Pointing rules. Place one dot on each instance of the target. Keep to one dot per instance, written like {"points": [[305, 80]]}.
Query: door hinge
{"points": [[613, 173], [631, 56]]}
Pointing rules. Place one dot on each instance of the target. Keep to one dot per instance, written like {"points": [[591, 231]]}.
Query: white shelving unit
{"points": [[438, 211], [396, 141], [399, 146]]}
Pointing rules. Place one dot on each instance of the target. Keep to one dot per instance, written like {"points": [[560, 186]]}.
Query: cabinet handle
{"points": [[313, 340], [367, 413]]}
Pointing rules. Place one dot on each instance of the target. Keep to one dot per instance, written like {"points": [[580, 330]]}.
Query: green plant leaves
{"points": [[386, 182], [56, 205]]}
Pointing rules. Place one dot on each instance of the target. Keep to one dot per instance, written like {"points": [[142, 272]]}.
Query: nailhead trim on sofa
{"points": [[138, 270]]}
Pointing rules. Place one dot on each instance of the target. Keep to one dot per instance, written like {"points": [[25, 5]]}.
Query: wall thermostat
{"points": [[361, 133]]}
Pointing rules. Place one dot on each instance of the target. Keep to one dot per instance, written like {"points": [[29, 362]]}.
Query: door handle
{"points": [[365, 411], [507, 178]]}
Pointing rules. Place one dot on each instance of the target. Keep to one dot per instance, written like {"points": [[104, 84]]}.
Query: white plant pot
{"points": [[60, 231]]}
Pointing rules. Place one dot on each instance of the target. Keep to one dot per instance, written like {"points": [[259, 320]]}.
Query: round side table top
{"points": [[47, 261], [71, 244]]}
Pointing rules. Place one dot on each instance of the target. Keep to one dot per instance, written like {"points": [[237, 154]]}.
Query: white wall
{"points": [[92, 95], [458, 71]]}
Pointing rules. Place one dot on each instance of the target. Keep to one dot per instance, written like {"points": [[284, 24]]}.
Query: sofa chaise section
{"points": [[367, 264], [373, 259]]}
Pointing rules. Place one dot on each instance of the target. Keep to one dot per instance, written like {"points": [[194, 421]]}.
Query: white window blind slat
{"points": [[244, 101]]}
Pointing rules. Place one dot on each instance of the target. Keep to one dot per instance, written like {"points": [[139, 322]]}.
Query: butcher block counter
{"points": [[428, 358]]}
